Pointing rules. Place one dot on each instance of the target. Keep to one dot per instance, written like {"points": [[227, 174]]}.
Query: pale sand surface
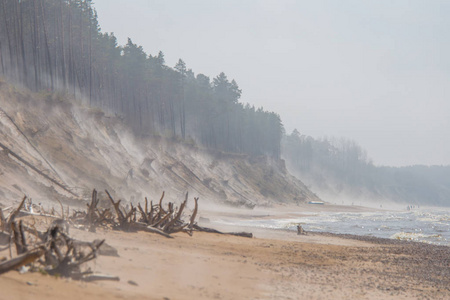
{"points": [[273, 265]]}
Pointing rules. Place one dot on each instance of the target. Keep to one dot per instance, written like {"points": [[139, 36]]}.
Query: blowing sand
{"points": [[273, 265]]}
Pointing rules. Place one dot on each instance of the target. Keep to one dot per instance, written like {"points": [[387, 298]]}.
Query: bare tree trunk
{"points": [[1, 59], [90, 58], [35, 47], [22, 44], [16, 34], [49, 61], [8, 34], [71, 63], [63, 56], [183, 110]]}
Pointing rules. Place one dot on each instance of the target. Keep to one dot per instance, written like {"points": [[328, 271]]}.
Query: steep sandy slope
{"points": [[78, 149]]}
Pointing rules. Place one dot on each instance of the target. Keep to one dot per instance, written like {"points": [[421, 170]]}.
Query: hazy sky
{"points": [[377, 72]]}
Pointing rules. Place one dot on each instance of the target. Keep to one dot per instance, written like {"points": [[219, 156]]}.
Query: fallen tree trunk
{"points": [[21, 260], [211, 230], [148, 228], [96, 277]]}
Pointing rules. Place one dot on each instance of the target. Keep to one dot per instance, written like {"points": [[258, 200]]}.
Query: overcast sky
{"points": [[377, 72]]}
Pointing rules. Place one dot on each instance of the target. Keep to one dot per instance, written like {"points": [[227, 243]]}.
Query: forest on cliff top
{"points": [[58, 45]]}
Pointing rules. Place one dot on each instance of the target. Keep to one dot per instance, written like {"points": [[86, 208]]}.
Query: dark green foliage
{"points": [[57, 45]]}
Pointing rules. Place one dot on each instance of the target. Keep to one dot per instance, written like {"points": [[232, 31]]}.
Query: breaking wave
{"points": [[427, 225]]}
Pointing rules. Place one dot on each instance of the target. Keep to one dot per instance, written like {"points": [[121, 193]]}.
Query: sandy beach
{"points": [[272, 265]]}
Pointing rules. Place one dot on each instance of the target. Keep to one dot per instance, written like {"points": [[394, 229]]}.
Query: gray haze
{"points": [[374, 71]]}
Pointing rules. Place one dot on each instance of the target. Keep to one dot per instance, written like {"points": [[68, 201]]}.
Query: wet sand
{"points": [[272, 265]]}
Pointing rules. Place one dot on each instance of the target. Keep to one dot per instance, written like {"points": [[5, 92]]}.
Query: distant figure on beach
{"points": [[300, 230]]}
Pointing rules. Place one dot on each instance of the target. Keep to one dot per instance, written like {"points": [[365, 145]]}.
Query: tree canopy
{"points": [[58, 45]]}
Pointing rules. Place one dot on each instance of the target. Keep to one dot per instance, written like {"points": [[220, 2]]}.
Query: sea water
{"points": [[421, 225]]}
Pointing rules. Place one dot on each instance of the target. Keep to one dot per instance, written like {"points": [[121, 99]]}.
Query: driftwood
{"points": [[96, 277], [54, 250], [158, 231], [150, 218], [24, 209], [159, 220], [211, 230], [21, 260], [56, 253]]}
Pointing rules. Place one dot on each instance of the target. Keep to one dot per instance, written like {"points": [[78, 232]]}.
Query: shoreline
{"points": [[341, 220], [273, 264]]}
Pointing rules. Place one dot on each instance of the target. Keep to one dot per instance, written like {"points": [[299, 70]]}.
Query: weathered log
{"points": [[28, 213], [21, 260], [242, 234], [211, 230], [96, 277], [158, 231], [206, 229]]}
